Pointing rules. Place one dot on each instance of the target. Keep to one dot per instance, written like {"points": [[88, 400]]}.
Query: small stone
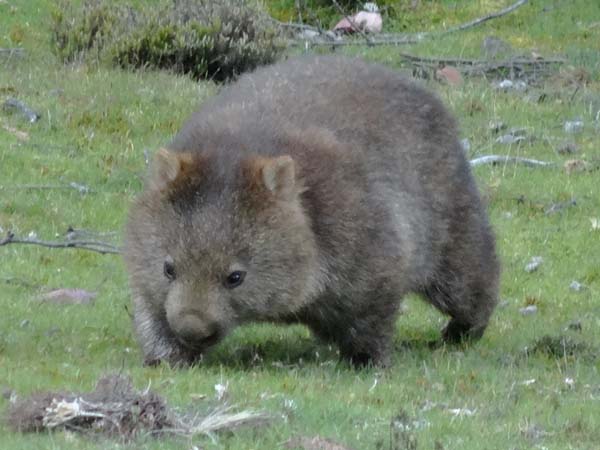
{"points": [[528, 310], [496, 127], [534, 264], [576, 286], [573, 126], [508, 139], [466, 144]]}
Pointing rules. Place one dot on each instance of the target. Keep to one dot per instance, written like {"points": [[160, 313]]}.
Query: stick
{"points": [[483, 19], [92, 245], [501, 159]]}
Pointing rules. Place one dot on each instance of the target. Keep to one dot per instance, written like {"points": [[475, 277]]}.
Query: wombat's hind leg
{"points": [[466, 288], [469, 309]]}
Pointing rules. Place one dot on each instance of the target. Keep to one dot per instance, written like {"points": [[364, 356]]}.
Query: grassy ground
{"points": [[520, 387]]}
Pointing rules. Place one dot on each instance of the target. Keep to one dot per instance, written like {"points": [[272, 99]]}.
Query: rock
{"points": [[368, 20], [534, 264], [528, 310], [576, 286]]}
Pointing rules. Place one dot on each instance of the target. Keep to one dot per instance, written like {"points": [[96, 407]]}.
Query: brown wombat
{"points": [[319, 190]]}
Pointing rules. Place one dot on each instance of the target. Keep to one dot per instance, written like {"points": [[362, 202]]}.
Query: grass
{"points": [[95, 126]]}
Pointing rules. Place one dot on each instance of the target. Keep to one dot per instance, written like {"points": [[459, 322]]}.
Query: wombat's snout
{"points": [[194, 332]]}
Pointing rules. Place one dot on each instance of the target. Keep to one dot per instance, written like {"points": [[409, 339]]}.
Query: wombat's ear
{"points": [[168, 166], [279, 176]]}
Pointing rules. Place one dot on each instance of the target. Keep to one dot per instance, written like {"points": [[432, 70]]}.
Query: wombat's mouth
{"points": [[201, 344]]}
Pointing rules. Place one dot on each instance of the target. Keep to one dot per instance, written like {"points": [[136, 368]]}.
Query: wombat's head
{"points": [[211, 244]]}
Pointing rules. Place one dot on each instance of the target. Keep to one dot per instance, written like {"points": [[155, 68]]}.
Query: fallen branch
{"points": [[81, 188], [409, 38], [519, 64], [483, 19], [501, 159], [13, 103], [92, 245]]}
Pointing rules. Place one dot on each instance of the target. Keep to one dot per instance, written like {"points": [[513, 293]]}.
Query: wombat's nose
{"points": [[194, 332]]}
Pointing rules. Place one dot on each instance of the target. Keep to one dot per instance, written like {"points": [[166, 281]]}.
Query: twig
{"points": [[483, 19], [92, 245], [501, 159]]}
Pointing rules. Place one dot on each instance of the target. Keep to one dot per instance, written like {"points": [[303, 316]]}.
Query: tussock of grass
{"points": [[213, 39]]}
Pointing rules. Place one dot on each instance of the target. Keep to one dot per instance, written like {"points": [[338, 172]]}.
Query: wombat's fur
{"points": [[337, 186]]}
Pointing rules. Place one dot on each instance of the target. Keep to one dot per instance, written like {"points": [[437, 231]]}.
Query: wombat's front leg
{"points": [[364, 340], [157, 341]]}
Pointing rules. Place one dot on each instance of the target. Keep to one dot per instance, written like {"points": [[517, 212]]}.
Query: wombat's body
{"points": [[320, 190]]}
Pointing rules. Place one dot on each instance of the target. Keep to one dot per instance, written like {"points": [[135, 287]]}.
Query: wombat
{"points": [[319, 190]]}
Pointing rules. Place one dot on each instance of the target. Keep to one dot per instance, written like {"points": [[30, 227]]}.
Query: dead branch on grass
{"points": [[483, 19], [501, 159], [92, 245], [518, 66], [403, 38], [81, 188]]}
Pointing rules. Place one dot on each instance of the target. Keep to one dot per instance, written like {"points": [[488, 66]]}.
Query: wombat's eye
{"points": [[234, 279], [169, 270]]}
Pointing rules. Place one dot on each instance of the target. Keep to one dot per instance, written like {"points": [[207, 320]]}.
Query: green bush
{"points": [[217, 39]]}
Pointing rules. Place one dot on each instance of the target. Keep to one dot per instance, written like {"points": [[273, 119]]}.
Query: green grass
{"points": [[95, 126]]}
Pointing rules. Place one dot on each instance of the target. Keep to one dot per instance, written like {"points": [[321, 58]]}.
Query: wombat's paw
{"points": [[176, 358], [457, 332], [150, 361], [360, 360]]}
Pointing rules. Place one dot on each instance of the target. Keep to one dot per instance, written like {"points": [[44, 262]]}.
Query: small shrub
{"points": [[217, 39]]}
